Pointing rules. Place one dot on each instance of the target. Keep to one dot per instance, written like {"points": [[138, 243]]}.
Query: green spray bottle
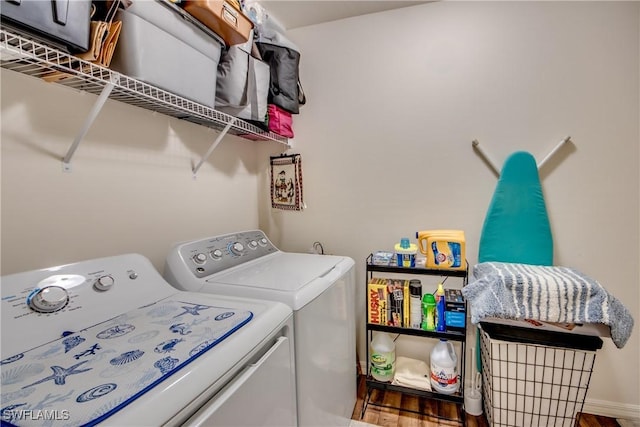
{"points": [[428, 312]]}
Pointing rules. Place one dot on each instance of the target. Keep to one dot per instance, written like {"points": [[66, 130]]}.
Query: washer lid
{"points": [[292, 278], [103, 369]]}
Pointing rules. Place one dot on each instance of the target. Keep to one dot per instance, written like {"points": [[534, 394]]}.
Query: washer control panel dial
{"points": [[48, 299]]}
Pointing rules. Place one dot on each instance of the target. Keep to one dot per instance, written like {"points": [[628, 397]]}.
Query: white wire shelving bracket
{"points": [[23, 55], [478, 148], [212, 147], [93, 114]]}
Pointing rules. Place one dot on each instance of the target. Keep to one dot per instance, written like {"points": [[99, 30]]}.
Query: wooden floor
{"points": [[387, 417]]}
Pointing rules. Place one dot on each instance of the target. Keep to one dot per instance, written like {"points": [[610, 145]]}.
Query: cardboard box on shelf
{"points": [[398, 302], [455, 310], [382, 258], [453, 298], [394, 310], [377, 302], [219, 15]]}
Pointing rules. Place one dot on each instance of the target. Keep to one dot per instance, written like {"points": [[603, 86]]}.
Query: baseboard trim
{"points": [[611, 409]]}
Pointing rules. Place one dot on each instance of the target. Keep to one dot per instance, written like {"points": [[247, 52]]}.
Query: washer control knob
{"points": [[104, 283], [216, 254], [262, 242], [236, 248], [49, 299], [253, 244], [200, 258]]}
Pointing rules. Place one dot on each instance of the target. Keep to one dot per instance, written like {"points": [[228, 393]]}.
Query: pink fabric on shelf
{"points": [[280, 121]]}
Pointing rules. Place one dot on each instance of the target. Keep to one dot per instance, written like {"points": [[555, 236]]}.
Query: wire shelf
{"points": [[23, 55]]}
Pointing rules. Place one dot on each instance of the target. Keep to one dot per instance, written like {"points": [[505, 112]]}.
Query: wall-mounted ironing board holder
{"points": [[476, 146]]}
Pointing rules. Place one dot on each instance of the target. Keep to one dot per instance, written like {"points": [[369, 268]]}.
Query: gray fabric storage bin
{"points": [[161, 48]]}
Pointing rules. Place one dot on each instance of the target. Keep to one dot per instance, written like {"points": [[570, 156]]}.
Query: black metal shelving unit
{"points": [[452, 335]]}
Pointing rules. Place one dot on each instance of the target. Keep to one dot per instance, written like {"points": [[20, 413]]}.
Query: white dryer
{"points": [[109, 342], [319, 288]]}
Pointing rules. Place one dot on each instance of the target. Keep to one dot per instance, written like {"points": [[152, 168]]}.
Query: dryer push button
{"points": [[216, 254]]}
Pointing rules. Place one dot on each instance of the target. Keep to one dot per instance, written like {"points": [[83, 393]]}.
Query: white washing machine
{"points": [[109, 342], [319, 288]]}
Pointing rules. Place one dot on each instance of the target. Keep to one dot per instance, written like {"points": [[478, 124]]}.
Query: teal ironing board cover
{"points": [[516, 228]]}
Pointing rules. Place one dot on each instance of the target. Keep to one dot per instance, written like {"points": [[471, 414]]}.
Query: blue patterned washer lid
{"points": [[85, 377]]}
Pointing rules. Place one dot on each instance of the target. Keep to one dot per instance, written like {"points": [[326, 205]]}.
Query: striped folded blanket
{"points": [[550, 294]]}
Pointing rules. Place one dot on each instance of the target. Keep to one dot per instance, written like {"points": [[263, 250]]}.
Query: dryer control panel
{"points": [[212, 255]]}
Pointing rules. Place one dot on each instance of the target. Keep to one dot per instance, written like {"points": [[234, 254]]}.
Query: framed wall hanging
{"points": [[286, 182]]}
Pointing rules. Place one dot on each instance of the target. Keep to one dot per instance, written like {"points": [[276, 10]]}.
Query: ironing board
{"points": [[516, 228]]}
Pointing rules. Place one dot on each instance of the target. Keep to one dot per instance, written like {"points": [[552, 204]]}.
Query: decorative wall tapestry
{"points": [[286, 182]]}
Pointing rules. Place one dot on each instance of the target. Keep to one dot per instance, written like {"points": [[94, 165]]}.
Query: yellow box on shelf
{"points": [[388, 301], [377, 301]]}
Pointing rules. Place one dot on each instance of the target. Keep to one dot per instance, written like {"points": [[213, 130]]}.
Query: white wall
{"points": [[394, 102], [395, 99], [131, 188]]}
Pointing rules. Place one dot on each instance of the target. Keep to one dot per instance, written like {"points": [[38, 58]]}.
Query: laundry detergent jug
{"points": [[383, 357], [443, 249], [444, 368]]}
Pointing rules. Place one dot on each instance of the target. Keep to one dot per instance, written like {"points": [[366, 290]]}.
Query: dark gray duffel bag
{"points": [[285, 90]]}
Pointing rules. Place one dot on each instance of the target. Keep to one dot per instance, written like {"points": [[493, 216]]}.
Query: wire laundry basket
{"points": [[532, 383]]}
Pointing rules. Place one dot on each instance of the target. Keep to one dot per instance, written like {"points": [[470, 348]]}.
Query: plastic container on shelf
{"points": [[443, 248], [156, 46], [428, 312], [383, 357], [406, 253], [441, 307], [415, 303], [444, 368]]}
